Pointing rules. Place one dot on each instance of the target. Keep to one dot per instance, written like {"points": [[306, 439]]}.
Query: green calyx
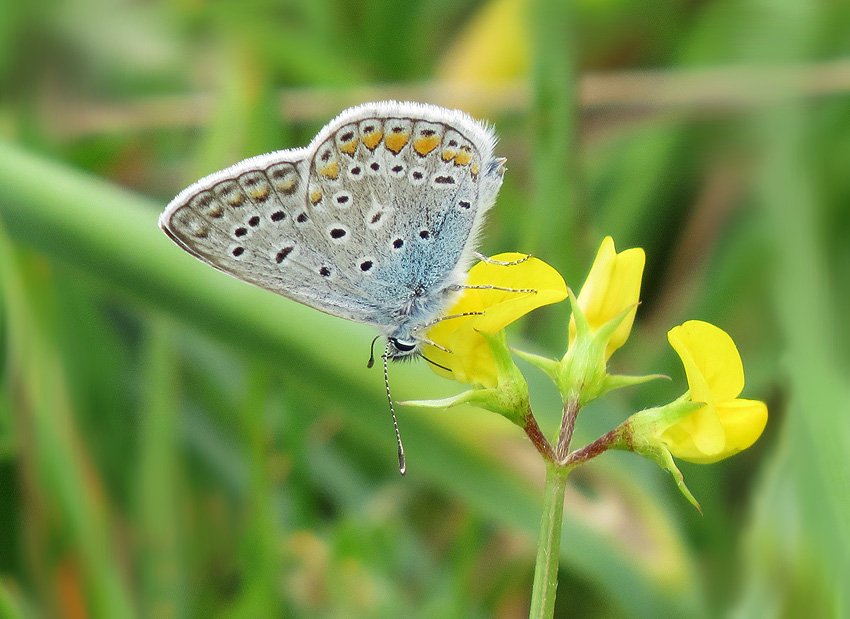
{"points": [[508, 398]]}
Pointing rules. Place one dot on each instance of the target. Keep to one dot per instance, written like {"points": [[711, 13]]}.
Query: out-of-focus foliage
{"points": [[174, 443]]}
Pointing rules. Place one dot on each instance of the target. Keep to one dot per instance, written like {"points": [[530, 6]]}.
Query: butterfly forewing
{"points": [[380, 210]]}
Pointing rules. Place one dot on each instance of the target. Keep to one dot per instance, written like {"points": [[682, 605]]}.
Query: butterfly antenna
{"points": [[402, 465], [371, 361]]}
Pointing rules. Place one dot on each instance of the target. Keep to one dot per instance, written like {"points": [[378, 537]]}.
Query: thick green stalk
{"points": [[549, 545]]}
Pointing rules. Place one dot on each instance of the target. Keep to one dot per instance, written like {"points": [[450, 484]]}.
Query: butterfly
{"points": [[376, 221]]}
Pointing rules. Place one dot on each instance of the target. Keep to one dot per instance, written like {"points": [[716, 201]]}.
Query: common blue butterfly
{"points": [[376, 221]]}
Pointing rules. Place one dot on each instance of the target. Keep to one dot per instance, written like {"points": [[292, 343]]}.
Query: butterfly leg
{"points": [[501, 263], [442, 318], [491, 287], [435, 345]]}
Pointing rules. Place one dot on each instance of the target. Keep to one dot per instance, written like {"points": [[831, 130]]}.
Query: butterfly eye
{"points": [[402, 346]]}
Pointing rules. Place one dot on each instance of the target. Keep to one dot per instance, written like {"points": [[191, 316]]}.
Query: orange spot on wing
{"points": [[349, 147], [236, 200], [396, 141], [426, 144], [315, 196], [449, 154], [463, 158], [371, 140], [331, 170], [260, 193], [474, 170], [286, 186]]}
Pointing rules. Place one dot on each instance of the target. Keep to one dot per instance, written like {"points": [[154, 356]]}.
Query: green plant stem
{"points": [[549, 544]]}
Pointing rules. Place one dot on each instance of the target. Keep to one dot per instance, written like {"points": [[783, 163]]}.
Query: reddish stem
{"points": [[565, 435], [603, 443], [533, 432]]}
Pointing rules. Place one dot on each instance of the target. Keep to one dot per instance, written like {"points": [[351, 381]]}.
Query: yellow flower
{"points": [[726, 424], [612, 286], [492, 47], [470, 359]]}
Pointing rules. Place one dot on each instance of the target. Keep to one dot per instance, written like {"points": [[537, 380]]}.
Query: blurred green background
{"points": [[174, 443]]}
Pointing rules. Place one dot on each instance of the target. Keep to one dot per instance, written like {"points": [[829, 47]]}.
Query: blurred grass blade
{"points": [[817, 411], [814, 361], [158, 486], [551, 230], [66, 497], [262, 547]]}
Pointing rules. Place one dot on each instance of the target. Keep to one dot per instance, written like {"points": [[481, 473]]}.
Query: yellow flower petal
{"points": [[502, 307], [679, 441], [744, 421], [703, 427], [726, 425], [612, 285], [470, 359], [715, 356], [699, 435]]}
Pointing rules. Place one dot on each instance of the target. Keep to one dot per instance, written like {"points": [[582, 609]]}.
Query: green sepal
{"points": [[640, 433], [617, 381], [550, 366], [582, 373], [663, 458], [647, 425], [509, 398], [582, 326], [449, 402]]}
